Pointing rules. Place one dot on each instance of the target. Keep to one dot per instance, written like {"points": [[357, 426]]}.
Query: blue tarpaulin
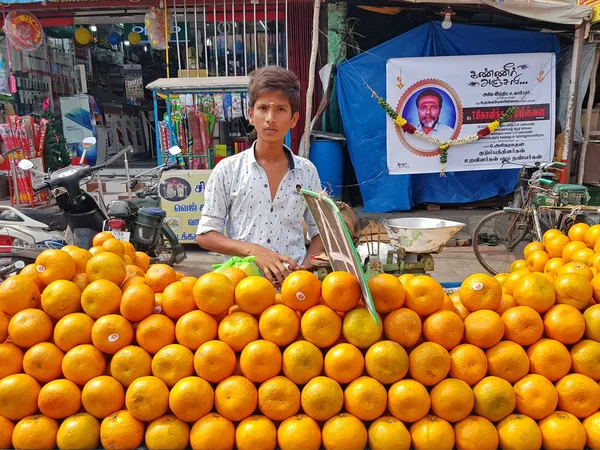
{"points": [[365, 121]]}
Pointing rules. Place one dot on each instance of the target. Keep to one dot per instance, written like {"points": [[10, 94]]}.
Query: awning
{"points": [[199, 84]]}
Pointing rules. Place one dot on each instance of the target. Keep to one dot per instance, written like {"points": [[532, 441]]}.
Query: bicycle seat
{"points": [[54, 217]]}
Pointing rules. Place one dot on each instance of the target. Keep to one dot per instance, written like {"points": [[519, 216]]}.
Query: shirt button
{"points": [[266, 185], [271, 209], [268, 241]]}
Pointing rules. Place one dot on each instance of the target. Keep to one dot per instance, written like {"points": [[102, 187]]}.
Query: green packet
{"points": [[246, 264]]}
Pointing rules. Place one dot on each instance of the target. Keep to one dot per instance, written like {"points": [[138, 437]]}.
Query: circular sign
{"points": [[24, 31], [175, 189]]}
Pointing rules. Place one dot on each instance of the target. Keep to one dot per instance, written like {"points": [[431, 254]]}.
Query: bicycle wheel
{"points": [[500, 238]]}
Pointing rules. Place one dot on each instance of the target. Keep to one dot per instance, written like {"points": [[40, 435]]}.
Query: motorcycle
{"points": [[10, 269]]}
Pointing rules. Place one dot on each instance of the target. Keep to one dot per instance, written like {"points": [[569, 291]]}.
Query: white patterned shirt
{"points": [[238, 198]]}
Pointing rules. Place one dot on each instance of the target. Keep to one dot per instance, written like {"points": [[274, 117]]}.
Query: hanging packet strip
{"points": [[245, 105], [208, 104], [236, 106], [227, 104], [219, 107]]}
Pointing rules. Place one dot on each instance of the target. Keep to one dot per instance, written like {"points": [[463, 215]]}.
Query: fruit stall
{"points": [[101, 349]]}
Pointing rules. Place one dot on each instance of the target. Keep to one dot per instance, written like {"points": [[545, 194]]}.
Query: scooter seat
{"points": [[53, 217]]}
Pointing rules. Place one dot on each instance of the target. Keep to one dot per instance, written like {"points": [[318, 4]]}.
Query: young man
{"points": [[256, 193]]}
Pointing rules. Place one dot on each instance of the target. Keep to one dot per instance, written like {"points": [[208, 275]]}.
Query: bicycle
{"points": [[500, 237]]}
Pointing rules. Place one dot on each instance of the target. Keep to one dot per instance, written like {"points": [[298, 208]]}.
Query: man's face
{"points": [[429, 111], [272, 116]]}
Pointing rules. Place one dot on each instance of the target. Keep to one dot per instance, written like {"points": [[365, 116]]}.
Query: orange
{"points": [[522, 325], [476, 433], [484, 328], [260, 360], [344, 363], [517, 265], [214, 293], [172, 363], [256, 432], [18, 293], [159, 276], [553, 265], [388, 432], [445, 328], [82, 363], [468, 363], [321, 326], [577, 231], [167, 432], [137, 302], [501, 277], [278, 398], [35, 432], [561, 430], [190, 280], [155, 332], [518, 432], [429, 363], [537, 261], [101, 238], [214, 361], [100, 298], [106, 266], [30, 271], [236, 398], [592, 322], [238, 329], [585, 355], [18, 396], [408, 400], [507, 360], [494, 398], [344, 431], [195, 328], [114, 246], [80, 279], [43, 362], [536, 396], [130, 363], [178, 299], [129, 249], [73, 330], [573, 289], [133, 280], [365, 398], [512, 280], [12, 359], [3, 326], [550, 234], [235, 274], [299, 432], [583, 256], [386, 361], [570, 249], [578, 395], [480, 291], [279, 324], [341, 291], [403, 326], [596, 288], [359, 328], [212, 432], [507, 302], [302, 361], [424, 295], [532, 247], [102, 396], [96, 250], [61, 297], [405, 277], [111, 333], [549, 358], [593, 261], [592, 429], [54, 265], [142, 260], [81, 430], [452, 400], [301, 290], [147, 398], [432, 432], [576, 268], [387, 292], [564, 323], [121, 430], [322, 398], [591, 235], [191, 398], [59, 399], [134, 271], [448, 305], [534, 291], [29, 327], [79, 255]]}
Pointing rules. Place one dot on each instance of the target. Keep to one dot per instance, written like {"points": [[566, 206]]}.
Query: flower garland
{"points": [[444, 145]]}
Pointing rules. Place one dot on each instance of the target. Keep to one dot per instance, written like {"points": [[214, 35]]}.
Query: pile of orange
{"points": [[102, 349]]}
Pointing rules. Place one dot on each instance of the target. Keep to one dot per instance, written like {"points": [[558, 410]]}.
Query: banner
{"points": [[596, 11], [453, 97]]}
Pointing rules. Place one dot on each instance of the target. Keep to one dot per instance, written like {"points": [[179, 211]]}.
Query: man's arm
{"points": [[315, 247]]}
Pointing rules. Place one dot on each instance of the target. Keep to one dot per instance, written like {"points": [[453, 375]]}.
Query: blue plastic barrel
{"points": [[328, 158]]}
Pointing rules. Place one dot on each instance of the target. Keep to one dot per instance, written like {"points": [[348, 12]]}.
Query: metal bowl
{"points": [[419, 234]]}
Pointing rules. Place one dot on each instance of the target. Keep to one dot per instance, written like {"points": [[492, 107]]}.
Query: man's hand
{"points": [[271, 263]]}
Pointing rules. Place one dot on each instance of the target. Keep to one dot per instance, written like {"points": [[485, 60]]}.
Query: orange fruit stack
{"points": [[102, 349]]}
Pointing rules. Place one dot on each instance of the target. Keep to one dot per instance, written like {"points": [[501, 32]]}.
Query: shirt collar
{"points": [[435, 128], [288, 151]]}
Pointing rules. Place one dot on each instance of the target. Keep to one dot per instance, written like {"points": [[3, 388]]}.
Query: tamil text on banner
{"points": [[182, 198], [453, 97]]}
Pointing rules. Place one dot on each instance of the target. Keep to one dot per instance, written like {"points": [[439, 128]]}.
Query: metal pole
{"points": [[156, 129], [588, 117], [177, 36], [187, 42], [127, 176], [215, 44], [225, 35], [287, 56], [277, 32], [255, 41], [245, 46], [567, 154], [266, 38], [196, 36], [311, 78], [205, 38], [234, 37]]}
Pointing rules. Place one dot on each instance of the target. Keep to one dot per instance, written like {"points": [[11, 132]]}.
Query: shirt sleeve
{"points": [[314, 184], [216, 204]]}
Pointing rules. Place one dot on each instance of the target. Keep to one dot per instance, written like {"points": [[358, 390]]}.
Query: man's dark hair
{"points": [[429, 93], [271, 79]]}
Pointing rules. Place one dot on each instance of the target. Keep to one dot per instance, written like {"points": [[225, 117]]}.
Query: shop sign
{"points": [[140, 28], [453, 97], [596, 11]]}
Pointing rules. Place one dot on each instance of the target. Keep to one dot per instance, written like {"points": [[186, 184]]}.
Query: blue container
{"points": [[328, 158]]}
